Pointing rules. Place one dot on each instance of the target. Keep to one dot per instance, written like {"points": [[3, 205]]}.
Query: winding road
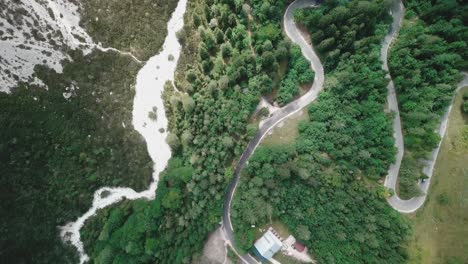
{"points": [[413, 204], [291, 30], [279, 115]]}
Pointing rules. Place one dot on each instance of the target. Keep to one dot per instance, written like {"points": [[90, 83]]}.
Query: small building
{"points": [[268, 245], [298, 246]]}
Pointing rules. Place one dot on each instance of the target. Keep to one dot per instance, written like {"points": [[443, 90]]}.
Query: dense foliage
{"points": [[318, 187], [55, 152], [135, 26], [348, 115], [338, 217], [425, 63], [338, 30], [221, 74], [298, 73]]}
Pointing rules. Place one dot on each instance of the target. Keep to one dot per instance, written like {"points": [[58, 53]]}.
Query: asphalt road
{"points": [[413, 204], [279, 115], [404, 206]]}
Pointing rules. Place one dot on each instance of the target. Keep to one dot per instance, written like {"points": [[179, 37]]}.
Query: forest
{"points": [[298, 73], [425, 64], [324, 186], [61, 143], [334, 213], [56, 152], [138, 27], [231, 56]]}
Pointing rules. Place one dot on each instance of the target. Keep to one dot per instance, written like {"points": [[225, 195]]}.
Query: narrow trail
{"points": [[148, 93], [101, 48], [70, 27], [59, 20]]}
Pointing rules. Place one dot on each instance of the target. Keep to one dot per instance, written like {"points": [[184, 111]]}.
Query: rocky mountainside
{"points": [[34, 32]]}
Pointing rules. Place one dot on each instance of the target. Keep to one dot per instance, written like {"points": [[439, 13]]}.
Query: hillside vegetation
{"points": [[323, 186], [56, 152], [425, 64], [139, 27], [231, 56], [440, 226]]}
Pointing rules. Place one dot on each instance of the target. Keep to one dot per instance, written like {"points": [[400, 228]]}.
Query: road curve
{"points": [[403, 206], [279, 115], [413, 204]]}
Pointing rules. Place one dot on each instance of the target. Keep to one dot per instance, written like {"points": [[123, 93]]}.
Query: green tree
{"points": [[203, 51], [196, 19], [173, 141], [226, 50], [303, 232], [172, 199]]}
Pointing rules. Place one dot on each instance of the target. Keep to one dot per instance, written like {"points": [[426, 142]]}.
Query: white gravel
{"points": [[40, 35], [149, 87]]}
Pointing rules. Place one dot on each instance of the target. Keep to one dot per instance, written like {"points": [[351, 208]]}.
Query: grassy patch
{"points": [[425, 63], [279, 227], [286, 132], [231, 255], [410, 173], [440, 228], [128, 25]]}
